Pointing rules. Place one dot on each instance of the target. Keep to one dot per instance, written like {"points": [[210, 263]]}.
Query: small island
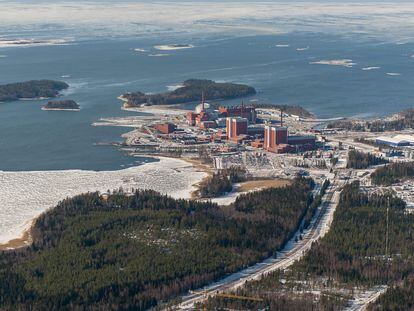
{"points": [[191, 91], [64, 105], [34, 89]]}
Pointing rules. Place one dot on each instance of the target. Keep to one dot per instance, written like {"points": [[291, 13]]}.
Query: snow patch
{"points": [[174, 87]]}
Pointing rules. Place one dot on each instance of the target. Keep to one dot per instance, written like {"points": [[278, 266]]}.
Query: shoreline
{"points": [[175, 177], [24, 240]]}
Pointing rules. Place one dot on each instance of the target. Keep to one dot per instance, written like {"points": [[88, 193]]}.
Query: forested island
{"points": [[34, 89], [66, 105], [137, 251], [191, 91]]}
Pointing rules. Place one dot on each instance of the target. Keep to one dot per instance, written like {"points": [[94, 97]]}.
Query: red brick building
{"points": [[274, 136], [278, 140], [165, 128], [191, 118], [236, 127], [247, 112]]}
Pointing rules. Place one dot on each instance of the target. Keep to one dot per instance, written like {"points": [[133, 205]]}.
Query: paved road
{"points": [[292, 252]]}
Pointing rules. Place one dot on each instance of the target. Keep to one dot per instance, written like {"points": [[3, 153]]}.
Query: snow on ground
{"points": [[228, 198], [25, 195], [362, 298]]}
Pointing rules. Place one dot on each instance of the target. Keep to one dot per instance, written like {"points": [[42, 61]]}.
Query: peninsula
{"points": [[64, 105], [34, 89], [190, 91]]}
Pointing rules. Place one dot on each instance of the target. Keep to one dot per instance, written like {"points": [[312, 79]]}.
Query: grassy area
{"points": [[263, 184]]}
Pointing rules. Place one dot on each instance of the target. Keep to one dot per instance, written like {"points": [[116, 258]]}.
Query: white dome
{"points": [[199, 107]]}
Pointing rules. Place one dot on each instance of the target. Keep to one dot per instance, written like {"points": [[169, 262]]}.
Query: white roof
{"points": [[397, 139]]}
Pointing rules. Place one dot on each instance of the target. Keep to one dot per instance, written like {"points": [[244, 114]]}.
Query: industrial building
{"points": [[242, 111], [236, 127], [165, 128], [277, 139], [274, 136], [396, 141]]}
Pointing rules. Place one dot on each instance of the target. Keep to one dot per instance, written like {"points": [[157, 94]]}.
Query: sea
{"points": [[331, 75]]}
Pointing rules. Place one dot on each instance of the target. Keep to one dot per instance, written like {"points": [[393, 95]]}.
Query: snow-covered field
{"points": [[25, 195]]}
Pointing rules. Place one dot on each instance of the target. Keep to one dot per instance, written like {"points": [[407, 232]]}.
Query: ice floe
{"points": [[158, 55], [140, 50], [370, 68], [6, 43], [171, 47], [335, 62]]}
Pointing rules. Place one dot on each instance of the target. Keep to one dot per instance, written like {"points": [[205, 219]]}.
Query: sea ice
{"points": [[25, 195]]}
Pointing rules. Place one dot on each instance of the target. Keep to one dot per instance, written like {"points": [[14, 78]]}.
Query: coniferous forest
{"points": [[352, 254], [393, 173], [361, 160], [31, 89], [132, 252]]}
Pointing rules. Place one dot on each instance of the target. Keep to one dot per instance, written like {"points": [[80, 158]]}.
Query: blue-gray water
{"points": [[32, 139]]}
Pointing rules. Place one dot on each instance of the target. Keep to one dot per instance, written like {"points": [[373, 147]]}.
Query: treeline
{"points": [[404, 121], [289, 109], [316, 202], [31, 89], [276, 301], [362, 160], [348, 125], [392, 173], [221, 182], [191, 91], [134, 252]]}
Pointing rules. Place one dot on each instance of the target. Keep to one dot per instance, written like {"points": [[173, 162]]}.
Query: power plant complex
{"points": [[236, 125]]}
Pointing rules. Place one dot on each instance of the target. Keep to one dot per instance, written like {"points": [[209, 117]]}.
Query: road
{"points": [[292, 252], [362, 300]]}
